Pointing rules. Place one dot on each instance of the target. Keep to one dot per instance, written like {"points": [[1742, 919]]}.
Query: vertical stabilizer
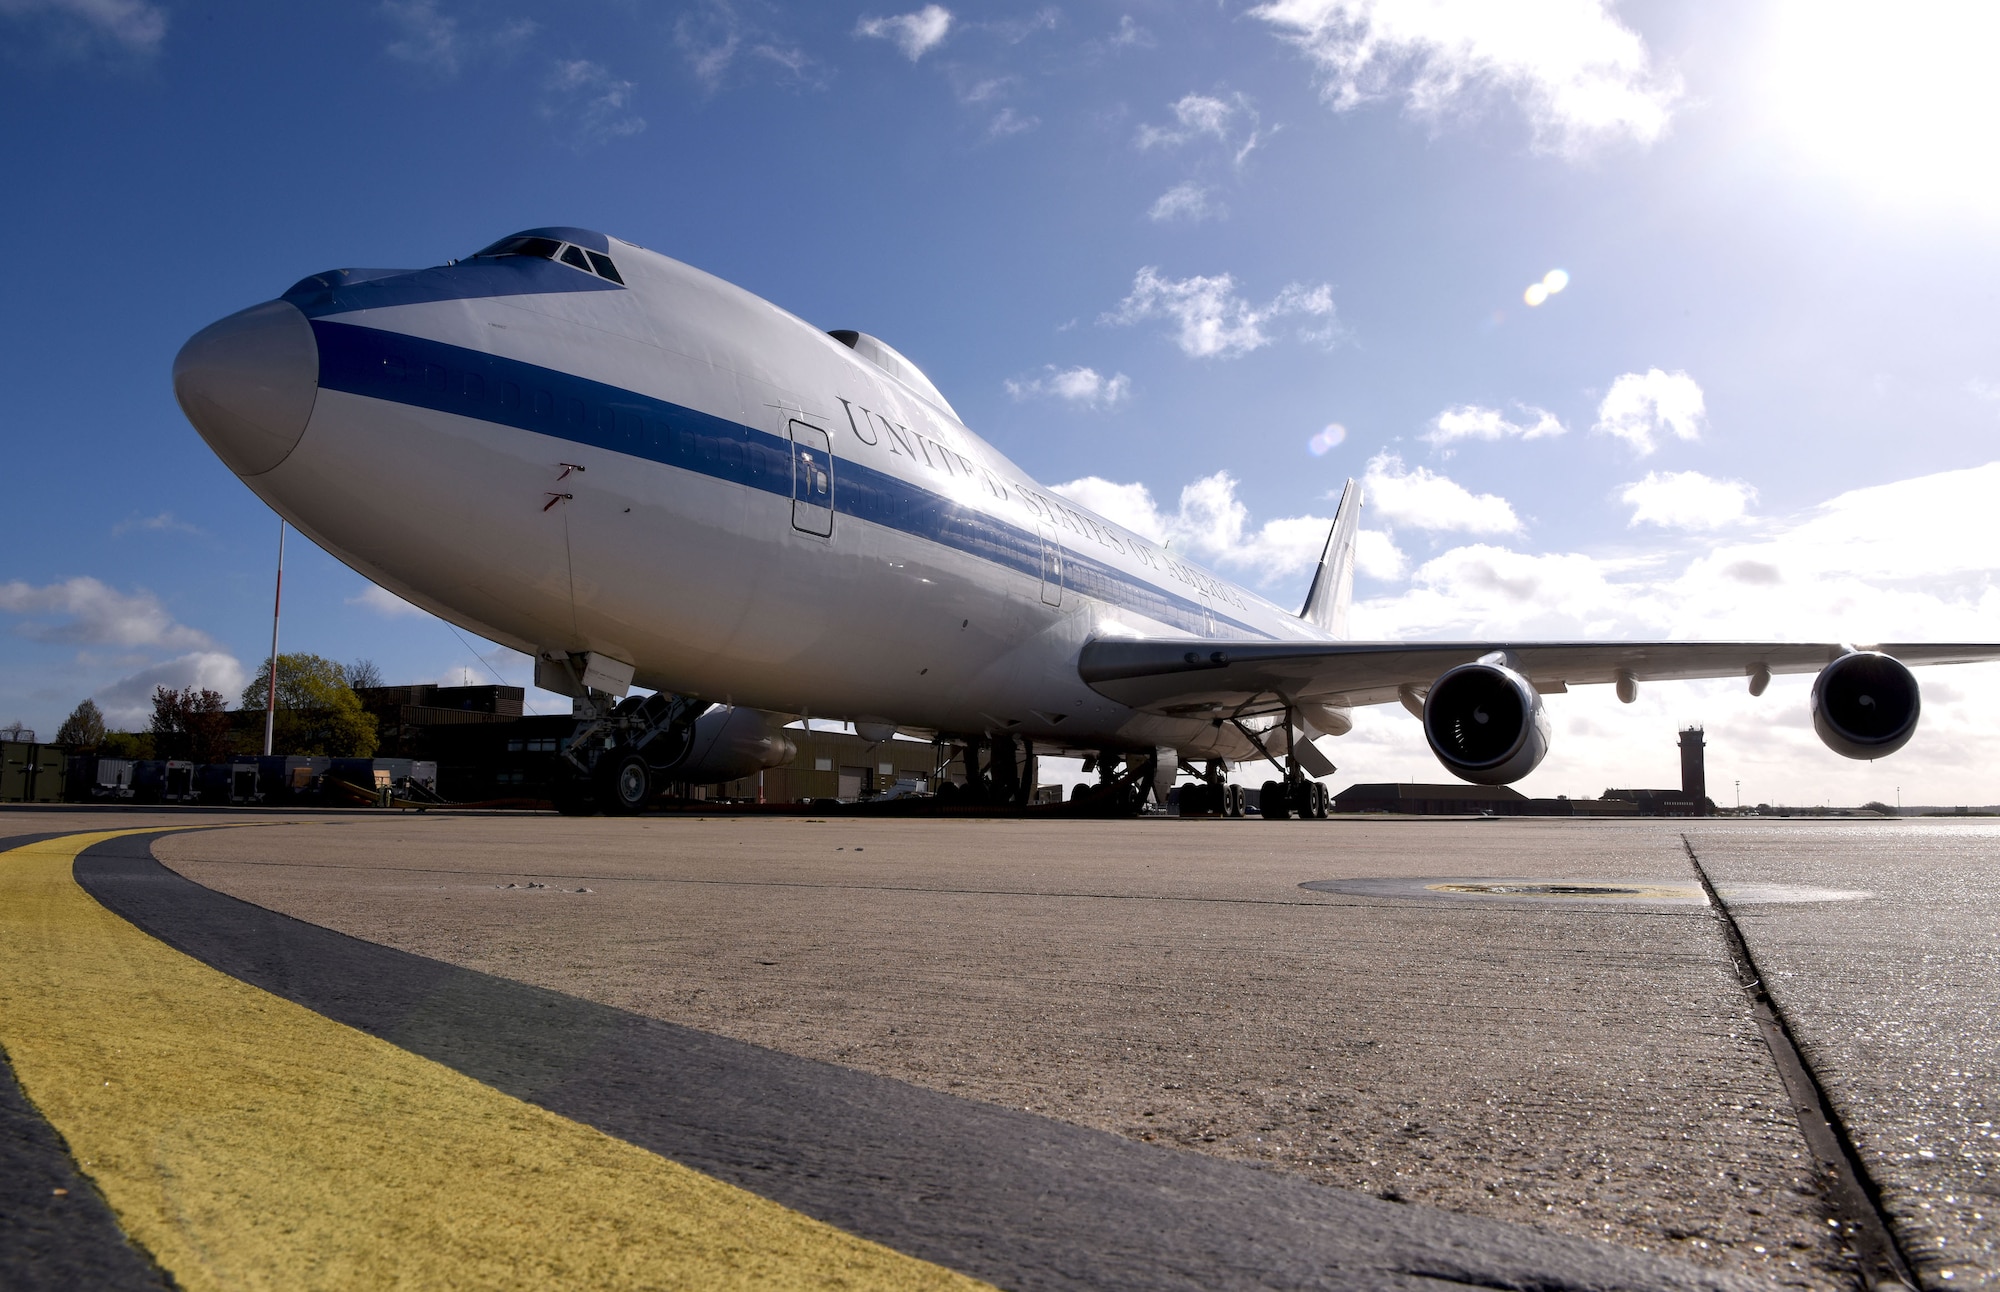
{"points": [[1333, 586]]}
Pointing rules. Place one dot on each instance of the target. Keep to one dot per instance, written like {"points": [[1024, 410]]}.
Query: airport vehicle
{"points": [[642, 475]]}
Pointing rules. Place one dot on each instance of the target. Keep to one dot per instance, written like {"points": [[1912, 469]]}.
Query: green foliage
{"points": [[125, 744], [318, 712], [83, 729]]}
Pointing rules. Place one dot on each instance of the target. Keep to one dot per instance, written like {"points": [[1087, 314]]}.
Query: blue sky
{"points": [[1153, 251]]}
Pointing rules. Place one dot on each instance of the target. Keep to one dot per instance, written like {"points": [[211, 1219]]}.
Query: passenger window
{"points": [[545, 404], [604, 268], [510, 395], [574, 256]]}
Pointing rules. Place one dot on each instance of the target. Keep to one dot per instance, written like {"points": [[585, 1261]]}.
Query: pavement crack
{"points": [[1857, 1203]]}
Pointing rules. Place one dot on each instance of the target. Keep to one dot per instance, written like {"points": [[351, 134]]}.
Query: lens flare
{"points": [[1552, 282], [1320, 444]]}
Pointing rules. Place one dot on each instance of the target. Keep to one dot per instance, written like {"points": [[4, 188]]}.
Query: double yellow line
{"points": [[247, 1142]]}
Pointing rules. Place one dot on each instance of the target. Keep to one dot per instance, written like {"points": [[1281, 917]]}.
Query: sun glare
{"points": [[1900, 99]]}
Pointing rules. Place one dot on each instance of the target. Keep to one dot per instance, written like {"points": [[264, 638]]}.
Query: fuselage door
{"points": [[1052, 565], [812, 480]]}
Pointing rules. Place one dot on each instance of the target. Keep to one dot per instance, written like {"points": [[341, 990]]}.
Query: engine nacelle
{"points": [[1865, 705], [1486, 724], [729, 744]]}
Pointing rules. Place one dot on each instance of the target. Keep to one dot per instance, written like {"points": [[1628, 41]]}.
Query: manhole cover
{"points": [[1588, 892]]}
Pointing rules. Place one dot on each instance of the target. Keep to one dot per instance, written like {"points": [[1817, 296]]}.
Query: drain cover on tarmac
{"points": [[1590, 892]]}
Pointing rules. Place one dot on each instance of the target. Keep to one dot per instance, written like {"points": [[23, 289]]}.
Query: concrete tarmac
{"points": [[1589, 1068], [1895, 1002]]}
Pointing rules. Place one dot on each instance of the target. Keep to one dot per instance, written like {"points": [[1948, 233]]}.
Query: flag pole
{"points": [[271, 694]]}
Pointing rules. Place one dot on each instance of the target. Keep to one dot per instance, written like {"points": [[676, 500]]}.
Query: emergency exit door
{"points": [[812, 480]]}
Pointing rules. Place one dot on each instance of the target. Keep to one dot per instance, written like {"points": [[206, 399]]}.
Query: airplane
{"points": [[641, 475]]}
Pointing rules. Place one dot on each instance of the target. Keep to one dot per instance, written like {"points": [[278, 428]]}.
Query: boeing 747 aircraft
{"points": [[639, 474]]}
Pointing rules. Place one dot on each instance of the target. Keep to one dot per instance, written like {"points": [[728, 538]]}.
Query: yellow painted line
{"points": [[247, 1142]]}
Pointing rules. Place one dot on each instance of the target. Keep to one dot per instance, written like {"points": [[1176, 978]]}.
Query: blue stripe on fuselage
{"points": [[405, 369]]}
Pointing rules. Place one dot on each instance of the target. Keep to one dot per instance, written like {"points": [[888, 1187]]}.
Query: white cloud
{"points": [[1130, 34], [384, 602], [1188, 201], [1230, 122], [1580, 76], [1078, 385], [1686, 500], [1211, 320], [134, 26], [1377, 556], [128, 702], [1640, 409], [433, 38], [916, 34], [1423, 499], [588, 103], [1009, 122], [1210, 523], [162, 523], [94, 614], [1985, 391], [1130, 505], [1471, 422]]}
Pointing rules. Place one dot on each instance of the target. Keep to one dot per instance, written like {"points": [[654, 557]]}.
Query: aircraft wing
{"points": [[1206, 678]]}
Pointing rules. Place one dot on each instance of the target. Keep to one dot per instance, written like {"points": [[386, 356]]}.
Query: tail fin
{"points": [[1333, 586]]}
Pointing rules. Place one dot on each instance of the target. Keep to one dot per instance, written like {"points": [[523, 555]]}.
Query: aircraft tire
{"points": [[1232, 802], [628, 785], [1276, 801]]}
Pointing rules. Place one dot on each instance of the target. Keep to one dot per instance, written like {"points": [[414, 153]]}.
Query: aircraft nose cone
{"points": [[248, 384]]}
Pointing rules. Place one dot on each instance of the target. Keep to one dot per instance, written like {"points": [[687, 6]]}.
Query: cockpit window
{"points": [[521, 244], [541, 248]]}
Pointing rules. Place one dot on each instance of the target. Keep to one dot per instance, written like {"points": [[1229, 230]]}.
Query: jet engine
{"points": [[1865, 705], [729, 744], [1485, 723]]}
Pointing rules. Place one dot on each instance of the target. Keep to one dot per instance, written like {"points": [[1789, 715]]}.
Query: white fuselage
{"points": [[631, 471]]}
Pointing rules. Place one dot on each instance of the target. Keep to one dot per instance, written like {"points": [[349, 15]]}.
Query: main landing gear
{"points": [[1295, 796], [1214, 796]]}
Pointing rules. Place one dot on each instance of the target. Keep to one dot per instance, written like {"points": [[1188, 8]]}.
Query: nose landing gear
{"points": [[620, 750]]}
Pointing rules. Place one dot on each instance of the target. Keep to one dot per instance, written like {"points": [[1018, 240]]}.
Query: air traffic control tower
{"points": [[1694, 770]]}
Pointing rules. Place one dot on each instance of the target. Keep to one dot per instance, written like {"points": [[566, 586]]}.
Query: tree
{"points": [[318, 712], [362, 674], [83, 729], [190, 723]]}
